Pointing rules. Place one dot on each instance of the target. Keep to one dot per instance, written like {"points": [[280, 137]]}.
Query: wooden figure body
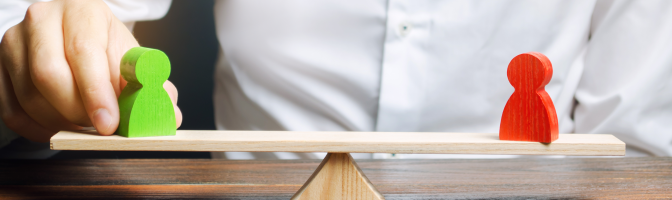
{"points": [[145, 107], [529, 115]]}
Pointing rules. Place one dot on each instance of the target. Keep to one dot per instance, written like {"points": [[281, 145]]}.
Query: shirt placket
{"points": [[403, 65]]}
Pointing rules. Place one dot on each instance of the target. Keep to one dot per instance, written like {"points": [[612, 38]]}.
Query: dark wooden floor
{"points": [[568, 178]]}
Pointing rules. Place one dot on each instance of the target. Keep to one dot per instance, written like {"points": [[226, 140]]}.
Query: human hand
{"points": [[59, 70]]}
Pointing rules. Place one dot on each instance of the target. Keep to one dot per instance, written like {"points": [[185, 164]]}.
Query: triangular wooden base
{"points": [[338, 177]]}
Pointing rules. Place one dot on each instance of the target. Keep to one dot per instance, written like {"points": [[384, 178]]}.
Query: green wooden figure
{"points": [[144, 106]]}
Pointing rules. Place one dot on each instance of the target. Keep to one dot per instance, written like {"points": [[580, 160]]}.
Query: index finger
{"points": [[85, 37]]}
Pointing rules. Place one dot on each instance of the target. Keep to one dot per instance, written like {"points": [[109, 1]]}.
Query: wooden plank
{"points": [[342, 142]]}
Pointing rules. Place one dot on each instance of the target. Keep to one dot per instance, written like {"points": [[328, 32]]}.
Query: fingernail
{"points": [[102, 119]]}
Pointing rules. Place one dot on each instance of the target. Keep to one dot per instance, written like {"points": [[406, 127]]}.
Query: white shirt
{"points": [[440, 66]]}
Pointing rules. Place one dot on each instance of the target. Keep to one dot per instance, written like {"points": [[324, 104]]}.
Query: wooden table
{"points": [[622, 178]]}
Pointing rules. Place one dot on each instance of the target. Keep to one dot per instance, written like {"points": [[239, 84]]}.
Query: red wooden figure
{"points": [[529, 114]]}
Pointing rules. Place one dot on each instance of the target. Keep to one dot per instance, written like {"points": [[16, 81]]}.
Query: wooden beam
{"points": [[342, 142]]}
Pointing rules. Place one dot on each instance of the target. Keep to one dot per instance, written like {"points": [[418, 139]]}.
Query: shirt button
{"points": [[405, 28]]}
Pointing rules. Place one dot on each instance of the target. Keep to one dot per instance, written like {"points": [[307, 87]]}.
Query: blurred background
{"points": [[187, 35]]}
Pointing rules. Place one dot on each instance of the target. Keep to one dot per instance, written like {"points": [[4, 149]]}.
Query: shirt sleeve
{"points": [[127, 11], [626, 86]]}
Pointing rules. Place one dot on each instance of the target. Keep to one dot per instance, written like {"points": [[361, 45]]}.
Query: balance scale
{"points": [[338, 176]]}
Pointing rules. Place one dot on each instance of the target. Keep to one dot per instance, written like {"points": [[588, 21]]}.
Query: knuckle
{"points": [[14, 120], [36, 11], [26, 94], [81, 47], [40, 78], [44, 73], [30, 99], [92, 89], [9, 45], [9, 38]]}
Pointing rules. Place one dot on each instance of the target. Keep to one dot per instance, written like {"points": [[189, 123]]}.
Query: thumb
{"points": [[172, 92]]}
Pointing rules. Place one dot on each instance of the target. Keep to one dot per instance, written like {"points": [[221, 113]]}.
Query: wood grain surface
{"points": [[529, 114], [342, 142], [145, 109], [338, 177], [521, 178]]}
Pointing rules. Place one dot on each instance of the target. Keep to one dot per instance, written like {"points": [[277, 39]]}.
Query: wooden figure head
{"points": [[529, 71], [146, 67]]}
